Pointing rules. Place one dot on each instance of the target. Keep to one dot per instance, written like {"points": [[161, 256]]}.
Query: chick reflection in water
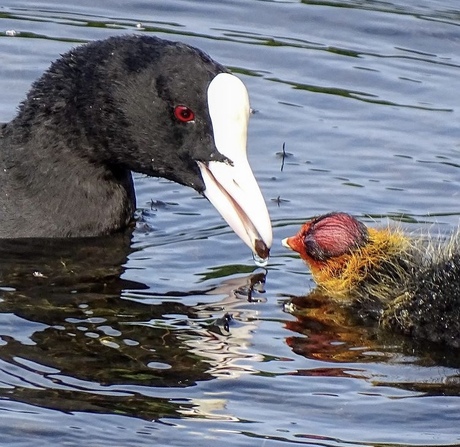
{"points": [[407, 285]]}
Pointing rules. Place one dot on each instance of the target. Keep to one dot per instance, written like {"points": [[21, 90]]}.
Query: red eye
{"points": [[184, 114]]}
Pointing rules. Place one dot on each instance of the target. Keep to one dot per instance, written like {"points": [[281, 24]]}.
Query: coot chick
{"points": [[129, 103], [409, 284]]}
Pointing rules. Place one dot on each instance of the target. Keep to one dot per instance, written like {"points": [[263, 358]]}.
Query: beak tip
{"points": [[285, 243], [261, 253]]}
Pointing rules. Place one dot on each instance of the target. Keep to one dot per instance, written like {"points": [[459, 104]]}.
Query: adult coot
{"points": [[130, 103], [409, 284]]}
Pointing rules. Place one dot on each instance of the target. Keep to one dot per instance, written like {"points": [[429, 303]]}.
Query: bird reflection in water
{"points": [[77, 343]]}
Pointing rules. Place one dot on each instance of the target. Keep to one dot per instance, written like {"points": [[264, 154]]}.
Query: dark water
{"points": [[170, 336]]}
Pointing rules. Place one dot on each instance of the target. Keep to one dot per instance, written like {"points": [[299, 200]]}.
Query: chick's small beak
{"points": [[285, 242], [294, 243]]}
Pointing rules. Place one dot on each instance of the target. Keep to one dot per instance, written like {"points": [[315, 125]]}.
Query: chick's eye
{"points": [[184, 114]]}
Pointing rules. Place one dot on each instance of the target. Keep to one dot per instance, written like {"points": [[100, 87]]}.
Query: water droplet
{"points": [[259, 261], [262, 253]]}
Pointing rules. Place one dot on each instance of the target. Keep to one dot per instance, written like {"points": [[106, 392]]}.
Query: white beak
{"points": [[232, 188]]}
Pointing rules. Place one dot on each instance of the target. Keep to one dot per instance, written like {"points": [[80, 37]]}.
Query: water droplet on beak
{"points": [[262, 253]]}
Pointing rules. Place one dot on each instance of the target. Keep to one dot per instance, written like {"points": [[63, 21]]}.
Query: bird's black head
{"points": [[134, 102], [161, 108]]}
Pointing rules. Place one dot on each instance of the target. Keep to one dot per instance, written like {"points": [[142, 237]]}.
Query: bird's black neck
{"points": [[56, 190]]}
